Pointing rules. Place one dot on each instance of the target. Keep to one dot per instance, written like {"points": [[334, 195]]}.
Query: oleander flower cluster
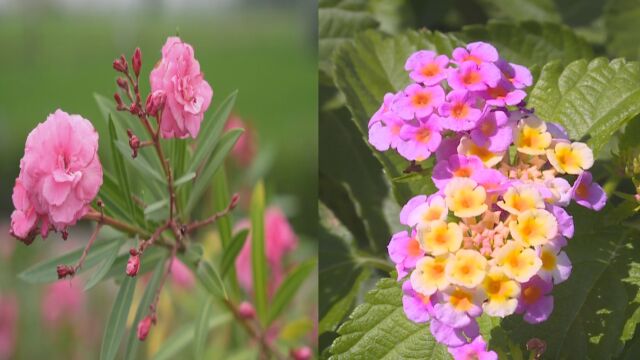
{"points": [[491, 239]]}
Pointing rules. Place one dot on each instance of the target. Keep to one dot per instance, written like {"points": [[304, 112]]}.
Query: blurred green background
{"points": [[57, 54]]}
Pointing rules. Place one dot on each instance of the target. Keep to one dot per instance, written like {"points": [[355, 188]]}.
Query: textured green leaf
{"points": [[379, 329], [623, 29], [45, 271], [593, 98], [143, 309], [590, 308], [541, 10], [232, 250], [103, 269], [373, 65], [338, 22], [289, 288], [201, 331], [258, 255], [172, 347], [530, 43], [117, 322], [203, 178]]}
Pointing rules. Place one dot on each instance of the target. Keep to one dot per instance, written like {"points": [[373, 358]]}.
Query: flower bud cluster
{"points": [[491, 239]]}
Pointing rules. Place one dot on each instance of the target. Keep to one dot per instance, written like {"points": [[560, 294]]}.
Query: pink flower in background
{"points": [[60, 174], [182, 275], [188, 95], [8, 325], [62, 302], [279, 241], [475, 350], [245, 148]]}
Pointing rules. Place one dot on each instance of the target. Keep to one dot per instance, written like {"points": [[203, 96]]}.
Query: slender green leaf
{"points": [[111, 195], [210, 133], [143, 309], [289, 288], [593, 98], [172, 347], [203, 179], [232, 251], [45, 271], [379, 329], [156, 206], [139, 163], [117, 322], [106, 264], [210, 279], [221, 200], [202, 329], [121, 170], [184, 178], [258, 256]]}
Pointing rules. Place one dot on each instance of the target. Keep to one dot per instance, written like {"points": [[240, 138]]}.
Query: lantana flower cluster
{"points": [[491, 239]]}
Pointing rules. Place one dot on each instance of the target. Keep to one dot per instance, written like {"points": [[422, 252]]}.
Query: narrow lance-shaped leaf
{"points": [[45, 271], [121, 170], [287, 291], [210, 279], [117, 322], [203, 179], [258, 256], [202, 329], [172, 347], [104, 267], [143, 309], [232, 251]]}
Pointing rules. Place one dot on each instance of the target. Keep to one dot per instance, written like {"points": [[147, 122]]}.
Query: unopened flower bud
{"points": [[155, 102], [64, 271], [136, 61], [122, 83], [301, 353], [234, 201], [120, 64], [134, 143], [246, 310], [119, 104], [133, 264], [144, 326]]}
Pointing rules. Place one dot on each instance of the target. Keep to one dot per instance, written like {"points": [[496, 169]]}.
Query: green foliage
{"points": [[594, 98], [621, 23], [289, 287], [184, 336], [232, 250], [102, 270], [379, 329], [540, 10], [258, 255], [117, 323], [202, 329]]}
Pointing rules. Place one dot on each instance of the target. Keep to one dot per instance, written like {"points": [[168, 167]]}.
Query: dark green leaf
{"points": [[258, 256], [103, 269], [117, 322], [623, 30], [541, 10], [289, 288], [232, 250]]}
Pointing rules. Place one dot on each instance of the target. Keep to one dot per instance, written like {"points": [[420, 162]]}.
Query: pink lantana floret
{"points": [[427, 67]]}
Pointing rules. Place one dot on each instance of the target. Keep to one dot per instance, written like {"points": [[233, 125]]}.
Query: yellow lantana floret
{"points": [[439, 238], [518, 262], [570, 158], [466, 268], [532, 137], [501, 292], [461, 299], [465, 197], [429, 275], [521, 198], [468, 147], [432, 210], [534, 227]]}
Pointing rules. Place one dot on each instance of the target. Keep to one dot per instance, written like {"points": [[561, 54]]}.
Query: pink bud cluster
{"points": [[490, 239]]}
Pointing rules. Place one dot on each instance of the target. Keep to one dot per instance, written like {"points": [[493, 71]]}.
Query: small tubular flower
{"points": [[461, 111], [516, 261], [556, 265], [466, 268], [465, 198], [469, 148], [419, 101], [429, 275], [459, 306], [475, 350], [404, 251], [520, 198], [439, 237], [532, 137], [427, 67], [570, 158], [431, 210], [534, 227], [501, 292], [535, 301], [588, 193]]}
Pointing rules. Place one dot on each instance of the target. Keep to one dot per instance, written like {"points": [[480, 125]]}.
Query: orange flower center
{"points": [[431, 69], [413, 248], [531, 294], [423, 135], [460, 110]]}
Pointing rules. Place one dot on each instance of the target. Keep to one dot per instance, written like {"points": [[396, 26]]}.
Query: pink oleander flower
{"points": [[420, 140], [188, 94], [588, 193], [182, 275], [62, 302], [245, 149], [450, 336], [476, 350], [60, 174], [535, 300], [280, 240], [473, 77], [427, 67], [417, 307], [461, 111], [418, 101], [404, 251], [456, 166], [133, 263], [9, 310], [493, 131]]}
